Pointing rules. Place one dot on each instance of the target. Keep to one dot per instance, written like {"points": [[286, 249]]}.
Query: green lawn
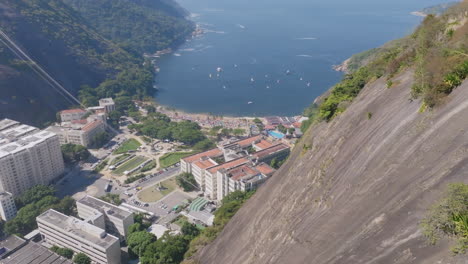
{"points": [[170, 159], [131, 144], [132, 163], [101, 166], [119, 158], [152, 194]]}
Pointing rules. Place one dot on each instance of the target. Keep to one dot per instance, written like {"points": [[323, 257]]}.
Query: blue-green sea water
{"points": [[276, 56]]}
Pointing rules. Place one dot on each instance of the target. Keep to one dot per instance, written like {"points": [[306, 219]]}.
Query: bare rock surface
{"points": [[355, 190]]}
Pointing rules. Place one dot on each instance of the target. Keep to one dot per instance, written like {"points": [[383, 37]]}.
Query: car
{"points": [[146, 204]]}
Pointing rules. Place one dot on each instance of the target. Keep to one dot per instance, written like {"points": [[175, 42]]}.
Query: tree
{"points": [[186, 181], [190, 230], [238, 132], [100, 139], [64, 252], [136, 227], [34, 194], [204, 145], [138, 242], [81, 258], [74, 153], [112, 198], [281, 128], [291, 130]]}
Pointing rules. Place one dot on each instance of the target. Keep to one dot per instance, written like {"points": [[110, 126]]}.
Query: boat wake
{"points": [[308, 38]]}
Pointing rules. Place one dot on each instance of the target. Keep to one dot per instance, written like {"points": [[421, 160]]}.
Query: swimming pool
{"points": [[276, 134]]}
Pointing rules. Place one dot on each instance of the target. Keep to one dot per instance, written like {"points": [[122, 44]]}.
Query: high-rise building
{"points": [[108, 104], [7, 206], [28, 157], [80, 236]]}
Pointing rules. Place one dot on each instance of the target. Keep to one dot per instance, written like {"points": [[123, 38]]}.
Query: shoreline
{"points": [[418, 13]]}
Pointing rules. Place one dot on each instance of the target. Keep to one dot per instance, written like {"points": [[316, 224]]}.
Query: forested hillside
{"points": [[68, 47], [142, 25]]}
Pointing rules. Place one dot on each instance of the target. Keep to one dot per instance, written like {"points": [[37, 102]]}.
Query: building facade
{"points": [[28, 157], [114, 220], [211, 169], [79, 133], [72, 114], [108, 104], [7, 206], [80, 236]]}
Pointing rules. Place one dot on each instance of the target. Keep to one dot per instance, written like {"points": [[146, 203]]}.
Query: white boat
{"points": [[249, 102], [300, 79], [308, 84], [288, 72], [266, 75], [278, 81], [224, 87], [210, 75], [268, 87], [235, 65], [252, 80], [219, 69]]}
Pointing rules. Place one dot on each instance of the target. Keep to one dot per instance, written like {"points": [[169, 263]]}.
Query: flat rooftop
{"points": [[6, 123], [105, 207], [244, 142], [9, 244], [229, 165], [74, 226], [33, 253], [25, 142], [269, 151]]}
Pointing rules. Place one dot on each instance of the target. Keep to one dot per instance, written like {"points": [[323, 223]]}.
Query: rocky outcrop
{"points": [[355, 190]]}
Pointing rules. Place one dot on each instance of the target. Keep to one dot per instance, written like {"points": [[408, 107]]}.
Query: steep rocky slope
{"points": [[355, 189]]}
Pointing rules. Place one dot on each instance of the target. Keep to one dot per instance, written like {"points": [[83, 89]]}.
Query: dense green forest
{"points": [[77, 55], [143, 26]]}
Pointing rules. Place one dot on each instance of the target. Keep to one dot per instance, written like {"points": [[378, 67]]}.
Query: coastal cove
{"points": [[275, 57]]}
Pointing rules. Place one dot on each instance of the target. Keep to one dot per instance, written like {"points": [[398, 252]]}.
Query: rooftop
{"points": [[203, 164], [263, 144], [4, 195], [76, 227], [72, 111], [24, 142], [33, 253], [105, 101], [229, 165], [92, 125], [244, 142], [9, 244], [264, 169], [242, 171], [210, 154], [105, 207], [269, 151], [6, 123]]}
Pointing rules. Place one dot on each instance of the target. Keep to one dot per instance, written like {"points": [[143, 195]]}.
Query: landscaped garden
{"points": [[158, 191], [129, 165], [170, 159], [131, 144]]}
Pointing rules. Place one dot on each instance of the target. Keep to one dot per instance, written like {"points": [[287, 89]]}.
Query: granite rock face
{"points": [[355, 190]]}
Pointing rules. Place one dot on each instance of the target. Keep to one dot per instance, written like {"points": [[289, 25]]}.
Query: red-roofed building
{"points": [[246, 177], [262, 144]]}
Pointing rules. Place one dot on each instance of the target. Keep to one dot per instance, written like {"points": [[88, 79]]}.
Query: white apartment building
{"points": [[72, 114], [79, 133], [80, 236], [28, 157], [108, 104], [115, 220], [7, 206], [210, 168], [245, 177]]}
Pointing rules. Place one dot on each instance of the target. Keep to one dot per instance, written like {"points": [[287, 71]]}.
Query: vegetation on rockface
{"points": [[437, 50], [160, 24], [34, 202], [230, 205], [449, 218], [74, 153]]}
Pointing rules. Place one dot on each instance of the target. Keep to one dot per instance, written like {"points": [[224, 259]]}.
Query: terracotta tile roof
{"points": [[210, 153], [248, 141], [265, 169], [82, 121], [297, 124], [242, 171], [228, 165], [92, 125], [72, 111], [270, 150], [263, 144], [203, 164]]}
